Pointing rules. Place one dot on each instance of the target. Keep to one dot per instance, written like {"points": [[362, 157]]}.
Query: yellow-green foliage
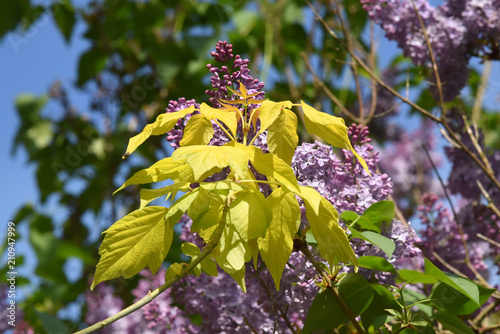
{"points": [[252, 223]]}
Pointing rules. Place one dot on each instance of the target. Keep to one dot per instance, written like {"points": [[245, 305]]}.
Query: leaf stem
{"points": [[305, 250]]}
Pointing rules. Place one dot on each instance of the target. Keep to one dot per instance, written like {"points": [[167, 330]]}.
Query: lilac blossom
{"points": [[456, 30], [159, 316], [230, 75], [442, 236], [348, 186]]}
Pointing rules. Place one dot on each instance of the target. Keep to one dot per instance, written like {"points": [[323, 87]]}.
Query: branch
{"points": [[211, 244], [391, 90]]}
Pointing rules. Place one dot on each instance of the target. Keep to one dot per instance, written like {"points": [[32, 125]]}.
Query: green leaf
{"points": [[250, 214], [282, 136], [331, 129], [452, 323], [272, 166], [140, 239], [162, 124], [90, 64], [371, 219], [51, 323], [414, 276], [207, 160], [379, 212], [376, 314], [12, 13], [64, 15], [277, 245], [376, 263], [198, 131], [463, 285], [180, 206], [349, 216], [385, 244], [30, 106], [162, 170], [148, 195], [449, 299], [326, 313], [229, 118], [419, 300], [332, 241]]}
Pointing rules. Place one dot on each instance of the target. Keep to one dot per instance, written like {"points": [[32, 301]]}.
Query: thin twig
{"points": [[485, 238], [486, 310], [453, 136], [490, 205], [448, 266], [478, 102], [433, 60], [371, 63], [212, 243], [327, 91], [275, 303], [333, 289], [459, 226]]}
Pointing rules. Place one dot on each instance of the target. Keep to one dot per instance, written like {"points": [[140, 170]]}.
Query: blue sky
{"points": [[29, 66]]}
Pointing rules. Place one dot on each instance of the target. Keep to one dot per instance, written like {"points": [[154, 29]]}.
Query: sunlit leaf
{"points": [[231, 250], [162, 170], [271, 165], [250, 214], [148, 195], [282, 136], [269, 111], [229, 118], [276, 246], [207, 264], [207, 160], [332, 241], [239, 277], [330, 128], [180, 206], [163, 124], [198, 131], [206, 212], [140, 239]]}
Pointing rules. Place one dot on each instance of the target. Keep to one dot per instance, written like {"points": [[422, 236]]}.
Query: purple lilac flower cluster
{"points": [[474, 214], [343, 182], [457, 30], [159, 316], [229, 75], [349, 187], [226, 76], [174, 136], [441, 236]]}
